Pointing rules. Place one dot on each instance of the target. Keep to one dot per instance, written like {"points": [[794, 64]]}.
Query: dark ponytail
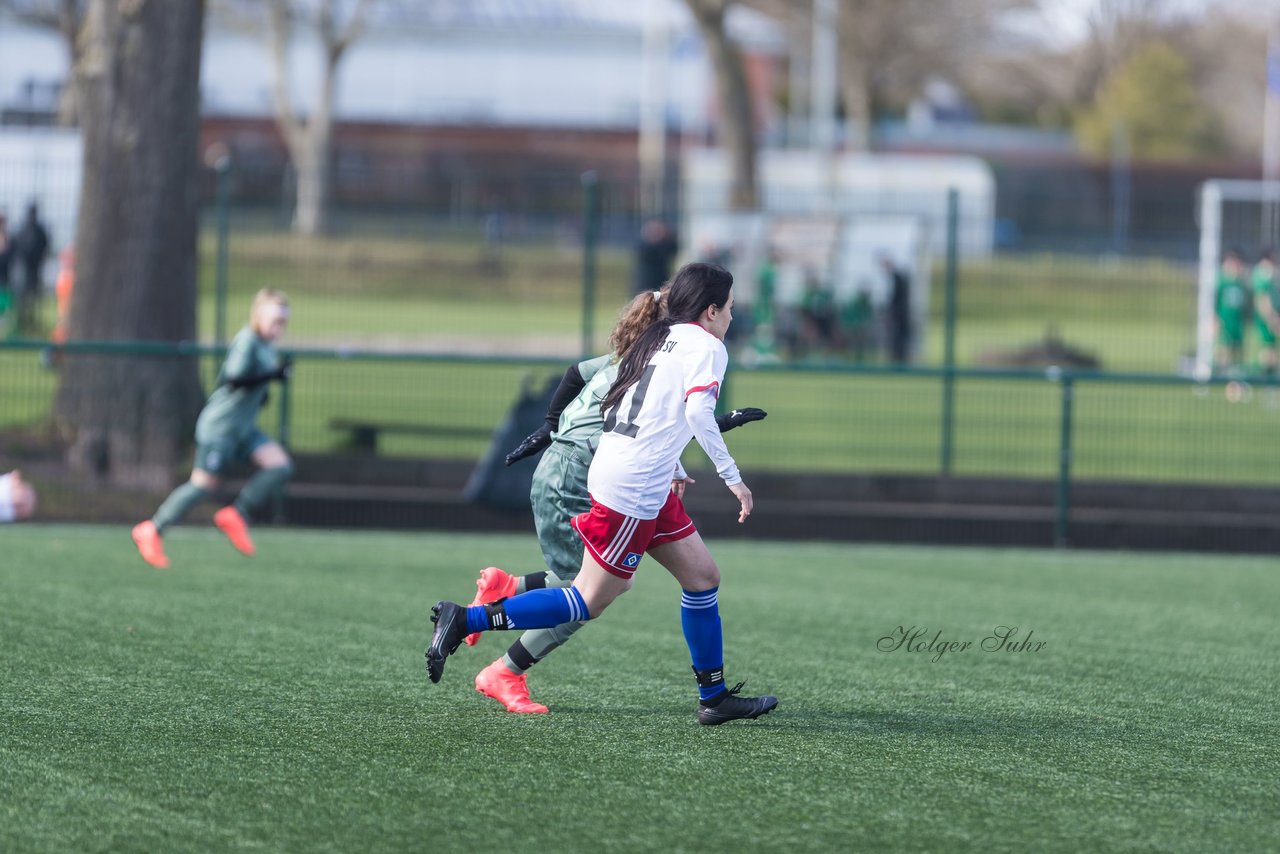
{"points": [[694, 287]]}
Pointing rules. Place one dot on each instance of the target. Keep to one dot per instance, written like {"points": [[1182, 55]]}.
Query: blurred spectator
{"points": [[655, 255], [856, 333], [30, 249], [899, 311], [763, 310], [6, 259], [1266, 306], [62, 288], [1231, 309], [817, 316], [17, 498]]}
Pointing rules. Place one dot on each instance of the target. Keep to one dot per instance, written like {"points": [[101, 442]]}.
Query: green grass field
{"points": [[281, 704]]}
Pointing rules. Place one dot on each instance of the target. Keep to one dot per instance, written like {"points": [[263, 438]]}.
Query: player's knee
{"points": [[204, 480], [285, 467], [704, 577], [599, 599]]}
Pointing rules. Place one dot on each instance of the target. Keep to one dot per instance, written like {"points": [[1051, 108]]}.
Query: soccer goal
{"points": [[1234, 214]]}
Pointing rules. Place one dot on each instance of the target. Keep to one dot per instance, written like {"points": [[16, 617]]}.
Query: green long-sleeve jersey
{"points": [[232, 412], [581, 422]]}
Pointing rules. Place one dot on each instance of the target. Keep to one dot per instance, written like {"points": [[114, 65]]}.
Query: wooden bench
{"points": [[364, 433]]}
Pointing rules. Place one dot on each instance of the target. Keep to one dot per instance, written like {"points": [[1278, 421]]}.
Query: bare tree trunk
{"points": [[737, 129], [70, 22], [855, 88], [129, 417], [311, 159], [310, 140]]}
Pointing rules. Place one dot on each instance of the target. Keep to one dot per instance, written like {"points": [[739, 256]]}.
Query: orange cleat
{"points": [[231, 523], [507, 688], [492, 585], [150, 546]]}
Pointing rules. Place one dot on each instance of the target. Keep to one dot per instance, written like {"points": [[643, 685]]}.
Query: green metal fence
{"points": [[1059, 427]]}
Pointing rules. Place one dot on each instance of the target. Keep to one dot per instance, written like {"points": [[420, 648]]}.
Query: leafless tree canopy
{"points": [[66, 18]]}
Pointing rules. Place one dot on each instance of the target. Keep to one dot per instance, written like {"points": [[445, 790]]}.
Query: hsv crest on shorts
{"points": [[632, 559]]}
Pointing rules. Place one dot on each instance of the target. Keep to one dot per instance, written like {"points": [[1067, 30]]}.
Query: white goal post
{"points": [[1263, 231]]}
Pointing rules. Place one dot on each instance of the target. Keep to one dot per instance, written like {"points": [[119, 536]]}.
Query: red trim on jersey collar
{"points": [[712, 385], [700, 326]]}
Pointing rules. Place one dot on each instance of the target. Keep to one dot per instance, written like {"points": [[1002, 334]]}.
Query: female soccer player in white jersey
{"points": [[664, 396], [570, 435]]}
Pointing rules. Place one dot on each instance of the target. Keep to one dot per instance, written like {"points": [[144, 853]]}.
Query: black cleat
{"points": [[451, 628], [734, 708]]}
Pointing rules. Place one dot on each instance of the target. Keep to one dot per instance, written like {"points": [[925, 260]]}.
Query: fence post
{"points": [[282, 436], [949, 329], [223, 168], [590, 237], [1064, 462], [282, 429]]}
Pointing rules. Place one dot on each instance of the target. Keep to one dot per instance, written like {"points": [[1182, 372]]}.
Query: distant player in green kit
{"points": [[570, 436], [1266, 309], [1231, 306], [227, 432]]}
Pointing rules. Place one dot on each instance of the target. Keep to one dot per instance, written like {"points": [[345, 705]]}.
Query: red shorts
{"points": [[617, 541]]}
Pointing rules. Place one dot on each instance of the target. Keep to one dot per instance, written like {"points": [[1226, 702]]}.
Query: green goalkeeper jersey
{"points": [[581, 422], [1264, 285], [232, 413], [1232, 304]]}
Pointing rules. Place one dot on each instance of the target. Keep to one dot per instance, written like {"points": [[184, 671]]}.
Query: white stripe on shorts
{"points": [[621, 539]]}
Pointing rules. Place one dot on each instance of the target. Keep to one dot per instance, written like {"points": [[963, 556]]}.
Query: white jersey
{"points": [[647, 431], [7, 510]]}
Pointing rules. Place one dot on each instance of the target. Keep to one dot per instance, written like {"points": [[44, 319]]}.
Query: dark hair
{"points": [[1267, 254], [695, 287]]}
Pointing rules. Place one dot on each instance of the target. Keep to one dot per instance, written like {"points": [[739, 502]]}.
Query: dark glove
{"points": [[534, 442], [738, 417], [285, 370]]}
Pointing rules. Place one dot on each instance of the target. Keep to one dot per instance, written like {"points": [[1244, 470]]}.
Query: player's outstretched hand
{"points": [[743, 494], [738, 417], [534, 442]]}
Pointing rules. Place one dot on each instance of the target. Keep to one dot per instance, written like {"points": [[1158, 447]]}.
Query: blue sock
{"points": [[700, 619], [533, 609]]}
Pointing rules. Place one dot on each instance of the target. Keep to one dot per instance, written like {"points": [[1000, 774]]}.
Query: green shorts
{"points": [[216, 457], [559, 493]]}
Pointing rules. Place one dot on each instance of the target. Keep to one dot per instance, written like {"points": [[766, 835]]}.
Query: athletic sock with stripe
{"points": [[700, 619], [536, 609]]}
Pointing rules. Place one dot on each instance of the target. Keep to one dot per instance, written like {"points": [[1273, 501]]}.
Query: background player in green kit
{"points": [[227, 432], [570, 435], [1266, 309], [1231, 306]]}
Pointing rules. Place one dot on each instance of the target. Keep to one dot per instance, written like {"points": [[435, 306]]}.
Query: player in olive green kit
{"points": [[227, 432], [1231, 304], [570, 435], [1266, 309]]}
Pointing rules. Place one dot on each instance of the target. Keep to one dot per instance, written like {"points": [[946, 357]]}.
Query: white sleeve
{"points": [[700, 412], [681, 474], [704, 371], [7, 511]]}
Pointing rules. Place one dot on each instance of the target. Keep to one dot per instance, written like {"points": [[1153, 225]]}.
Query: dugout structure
{"points": [[1234, 214]]}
